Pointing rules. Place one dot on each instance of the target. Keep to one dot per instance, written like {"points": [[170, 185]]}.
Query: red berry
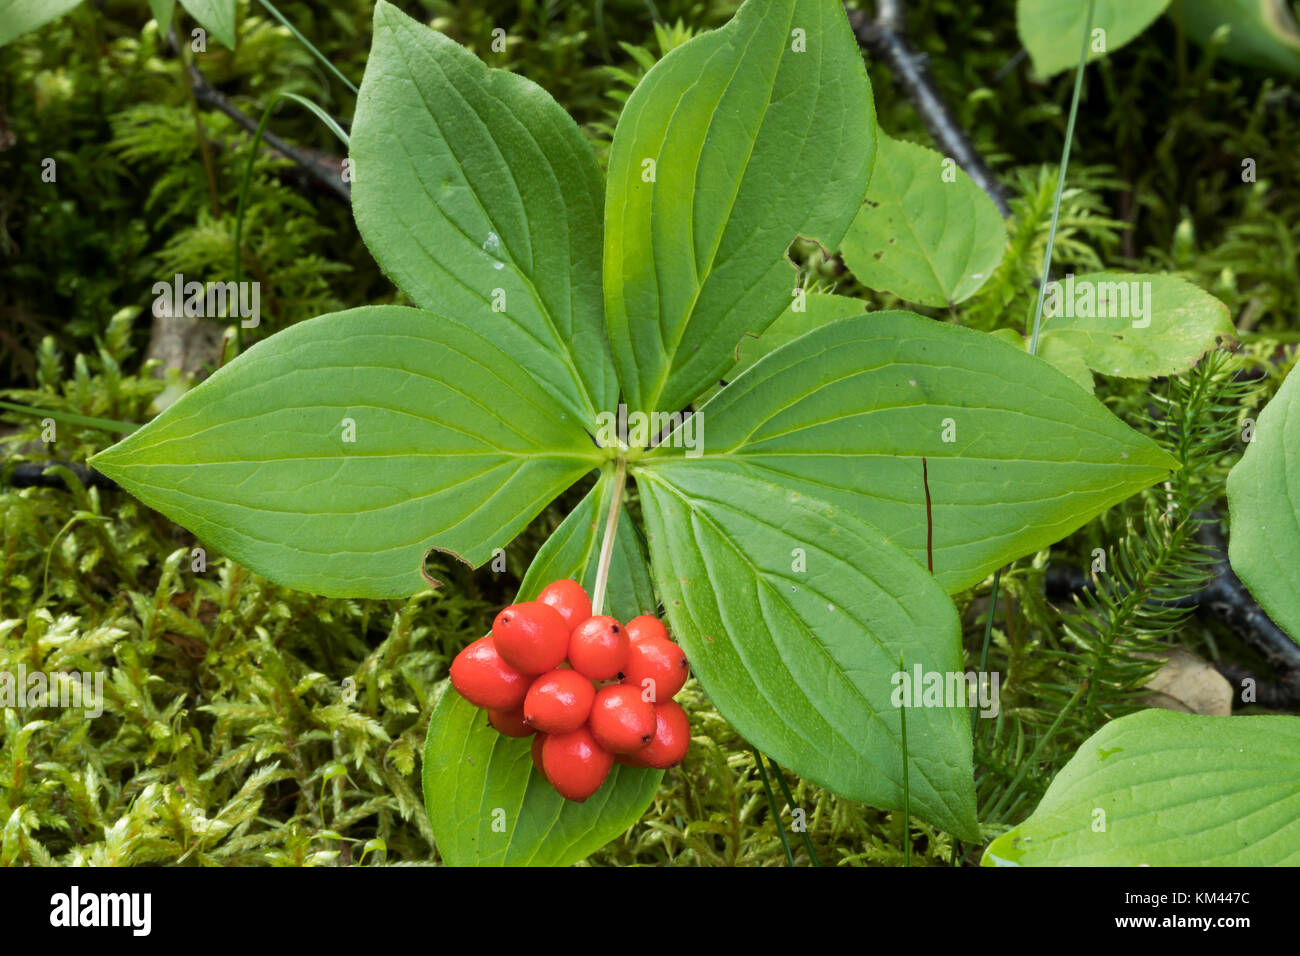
{"points": [[671, 741], [510, 722], [645, 626], [620, 720], [559, 702], [480, 676], [598, 648], [531, 637], [657, 667], [538, 741], [567, 597], [575, 764]]}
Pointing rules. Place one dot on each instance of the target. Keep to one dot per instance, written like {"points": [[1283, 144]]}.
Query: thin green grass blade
{"points": [[1060, 183], [789, 797], [270, 8], [1033, 347], [320, 114], [107, 424], [771, 802], [907, 791]]}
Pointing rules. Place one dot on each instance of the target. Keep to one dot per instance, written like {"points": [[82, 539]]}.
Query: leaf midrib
{"points": [[665, 374], [564, 353]]}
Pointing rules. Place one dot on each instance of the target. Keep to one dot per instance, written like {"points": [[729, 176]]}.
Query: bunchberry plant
{"points": [[802, 525]]}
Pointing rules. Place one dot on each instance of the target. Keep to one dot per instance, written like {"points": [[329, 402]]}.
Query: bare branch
{"points": [[324, 167], [885, 39]]}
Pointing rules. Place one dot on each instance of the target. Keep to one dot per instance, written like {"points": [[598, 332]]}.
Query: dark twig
{"points": [[39, 474], [201, 137], [1226, 599], [1281, 694], [324, 167], [885, 38]]}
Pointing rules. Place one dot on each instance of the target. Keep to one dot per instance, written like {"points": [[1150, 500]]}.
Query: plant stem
{"points": [[789, 798], [205, 153], [907, 790], [49, 552], [1033, 757], [607, 544], [1060, 183], [885, 38], [242, 208], [309, 45], [988, 638], [771, 802], [983, 669], [1033, 350], [988, 625]]}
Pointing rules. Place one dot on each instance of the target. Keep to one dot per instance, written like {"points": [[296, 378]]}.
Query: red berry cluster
{"points": [[592, 690]]}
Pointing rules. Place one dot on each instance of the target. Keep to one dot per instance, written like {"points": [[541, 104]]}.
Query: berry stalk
{"points": [[607, 544]]}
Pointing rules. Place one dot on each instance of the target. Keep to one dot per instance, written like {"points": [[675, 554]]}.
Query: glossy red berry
{"points": [[620, 720], [657, 667], [480, 676], [538, 741], [531, 637], [598, 648], [510, 722], [645, 626], [559, 702], [567, 597], [671, 740], [576, 765]]}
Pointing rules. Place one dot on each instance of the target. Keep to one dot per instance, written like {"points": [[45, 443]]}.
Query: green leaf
{"points": [[1059, 353], [22, 16], [454, 448], [818, 309], [845, 413], [1175, 790], [1062, 353], [163, 10], [478, 195], [575, 547], [1052, 30], [471, 771], [1262, 33], [1264, 508], [469, 768], [215, 16], [753, 143], [926, 232], [1132, 325], [793, 613]]}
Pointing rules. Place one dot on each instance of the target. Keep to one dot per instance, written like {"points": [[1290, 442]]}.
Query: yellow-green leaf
{"points": [[1159, 788]]}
